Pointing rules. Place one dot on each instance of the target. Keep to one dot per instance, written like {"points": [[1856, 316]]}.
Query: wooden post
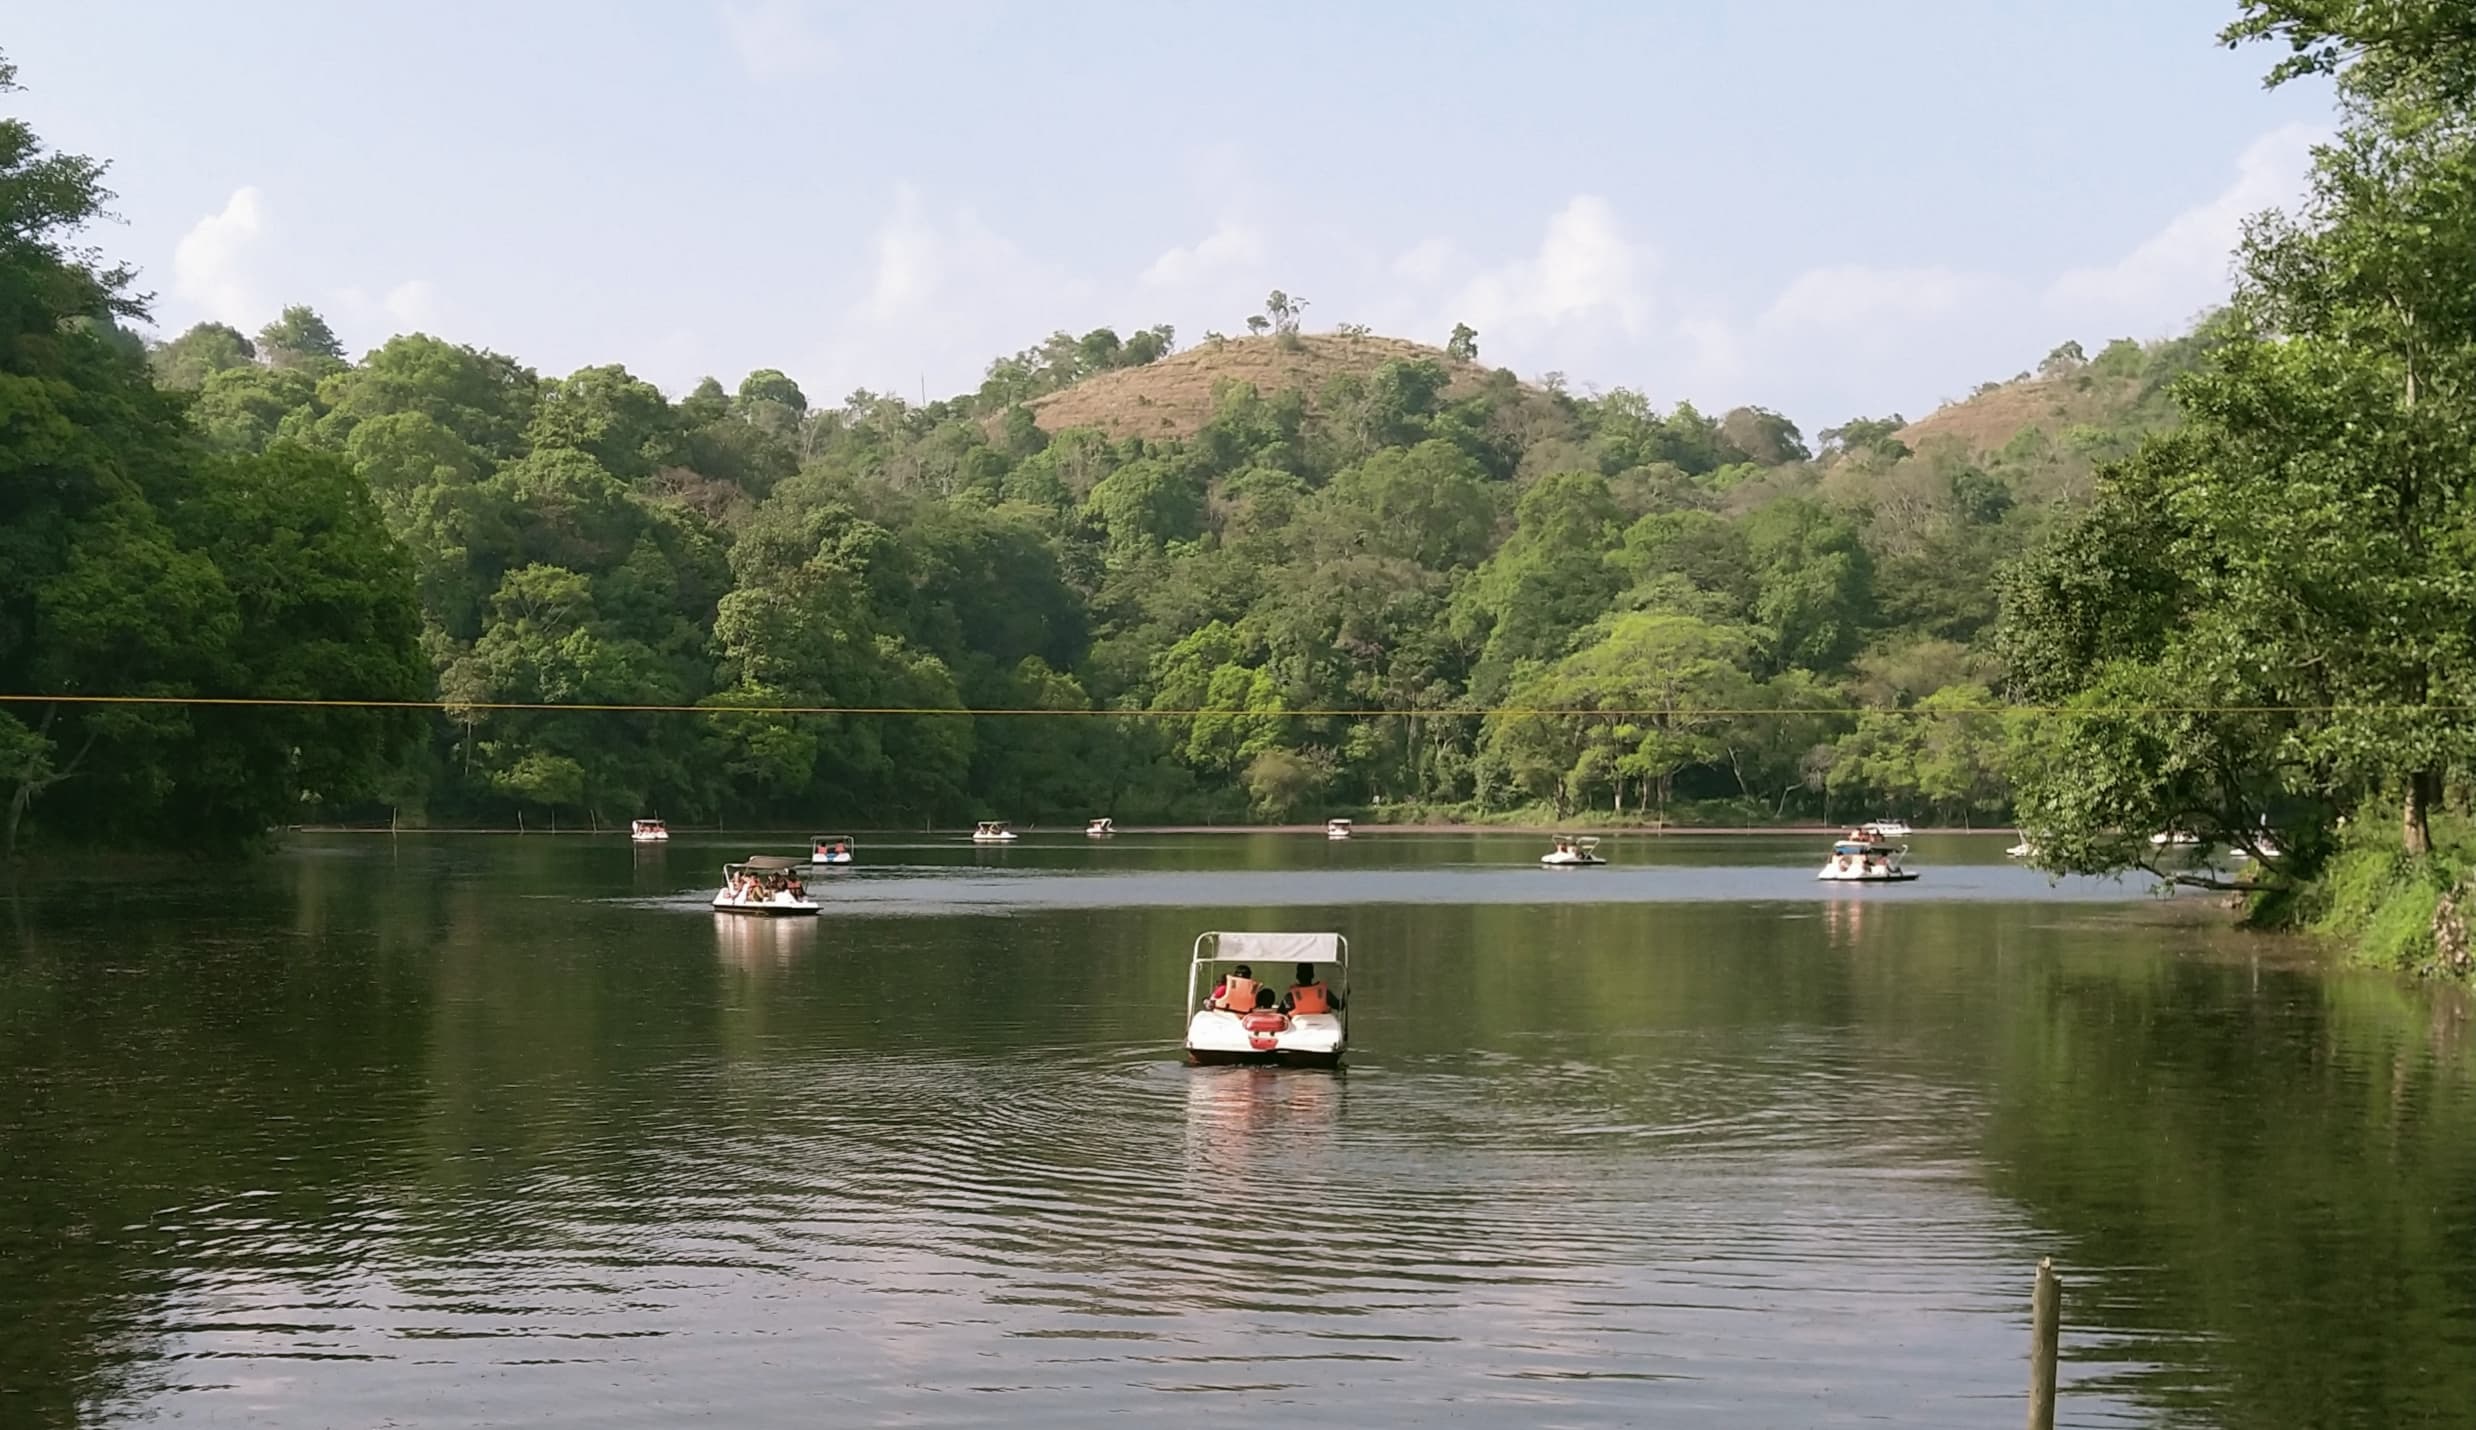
{"points": [[2045, 1330]]}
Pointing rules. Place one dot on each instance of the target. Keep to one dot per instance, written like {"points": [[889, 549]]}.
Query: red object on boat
{"points": [[1263, 1029]]}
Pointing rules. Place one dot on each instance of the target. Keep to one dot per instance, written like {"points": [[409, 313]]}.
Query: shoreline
{"points": [[1360, 830]]}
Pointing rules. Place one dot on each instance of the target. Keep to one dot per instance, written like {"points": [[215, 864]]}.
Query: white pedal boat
{"points": [[992, 831], [1572, 852], [648, 831], [1859, 859], [1336, 829], [1216, 1035], [1099, 829], [763, 884], [831, 848]]}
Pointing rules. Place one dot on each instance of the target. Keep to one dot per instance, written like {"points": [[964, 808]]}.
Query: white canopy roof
{"points": [[1272, 948]]}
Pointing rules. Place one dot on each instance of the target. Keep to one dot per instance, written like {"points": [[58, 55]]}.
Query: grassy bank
{"points": [[2389, 909]]}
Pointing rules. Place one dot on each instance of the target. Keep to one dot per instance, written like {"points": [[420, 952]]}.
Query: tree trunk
{"points": [[2415, 830]]}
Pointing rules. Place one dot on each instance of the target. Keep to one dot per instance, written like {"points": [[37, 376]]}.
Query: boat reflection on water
{"points": [[1250, 1128], [1844, 920], [755, 945]]}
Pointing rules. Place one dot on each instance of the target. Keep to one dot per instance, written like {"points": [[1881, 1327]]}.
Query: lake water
{"points": [[457, 1131]]}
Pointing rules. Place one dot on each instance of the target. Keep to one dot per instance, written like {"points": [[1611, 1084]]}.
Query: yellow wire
{"points": [[1471, 711]]}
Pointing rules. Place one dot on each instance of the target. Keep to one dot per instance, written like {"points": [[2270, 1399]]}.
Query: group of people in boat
{"points": [[751, 887], [1874, 857], [1238, 992]]}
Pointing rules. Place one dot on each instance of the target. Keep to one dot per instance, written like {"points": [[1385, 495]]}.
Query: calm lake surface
{"points": [[456, 1131]]}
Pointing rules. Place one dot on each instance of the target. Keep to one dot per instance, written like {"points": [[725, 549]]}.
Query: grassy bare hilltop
{"points": [[1173, 397]]}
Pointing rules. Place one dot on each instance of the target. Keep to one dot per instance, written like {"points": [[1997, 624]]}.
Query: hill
{"points": [[2123, 391], [1173, 396]]}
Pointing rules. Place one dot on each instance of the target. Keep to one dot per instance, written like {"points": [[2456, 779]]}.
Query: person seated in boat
{"points": [[791, 885], [1238, 992], [1310, 994]]}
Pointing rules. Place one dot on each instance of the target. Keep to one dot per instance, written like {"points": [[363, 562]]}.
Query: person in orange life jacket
{"points": [[1309, 995], [1238, 992]]}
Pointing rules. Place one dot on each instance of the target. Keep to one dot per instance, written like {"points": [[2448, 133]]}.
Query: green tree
{"points": [[300, 338], [2297, 545], [187, 361]]}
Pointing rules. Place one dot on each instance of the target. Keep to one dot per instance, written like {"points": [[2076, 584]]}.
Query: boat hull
{"points": [[829, 859], [1277, 1058], [1552, 862], [766, 908], [1310, 1040], [1895, 876]]}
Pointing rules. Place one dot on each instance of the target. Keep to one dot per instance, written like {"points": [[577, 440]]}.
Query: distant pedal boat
{"points": [[992, 831], [648, 831], [831, 849], [1099, 829], [1267, 1037], [1572, 852], [1336, 829], [1864, 859]]}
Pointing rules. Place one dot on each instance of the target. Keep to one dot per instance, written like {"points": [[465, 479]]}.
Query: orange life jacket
{"points": [[1310, 998], [1238, 995]]}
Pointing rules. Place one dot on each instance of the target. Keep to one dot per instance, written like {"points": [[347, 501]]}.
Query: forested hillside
{"points": [[1264, 576], [1321, 525], [1278, 574]]}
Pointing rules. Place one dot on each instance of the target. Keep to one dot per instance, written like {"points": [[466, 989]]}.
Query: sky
{"points": [[1828, 208]]}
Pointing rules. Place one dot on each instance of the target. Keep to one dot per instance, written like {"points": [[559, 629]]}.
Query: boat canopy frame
{"points": [[843, 839], [1271, 949], [769, 864]]}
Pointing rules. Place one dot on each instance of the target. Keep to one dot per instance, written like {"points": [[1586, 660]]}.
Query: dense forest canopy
{"points": [[1275, 574], [1223, 555]]}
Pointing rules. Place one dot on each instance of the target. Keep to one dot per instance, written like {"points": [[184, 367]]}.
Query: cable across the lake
{"points": [[459, 707]]}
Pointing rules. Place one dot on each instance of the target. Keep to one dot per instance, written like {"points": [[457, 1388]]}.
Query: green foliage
{"points": [[186, 362], [1295, 608], [2384, 904], [299, 338]]}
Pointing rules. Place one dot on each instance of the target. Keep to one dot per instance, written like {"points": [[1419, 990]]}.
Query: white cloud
{"points": [[1854, 295], [364, 320], [215, 266], [1849, 338], [1586, 269], [2186, 265], [1718, 352], [775, 38], [413, 303], [1231, 248], [945, 294], [924, 261], [1428, 261]]}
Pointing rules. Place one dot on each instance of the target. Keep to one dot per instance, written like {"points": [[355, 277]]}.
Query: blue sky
{"points": [[1829, 208]]}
